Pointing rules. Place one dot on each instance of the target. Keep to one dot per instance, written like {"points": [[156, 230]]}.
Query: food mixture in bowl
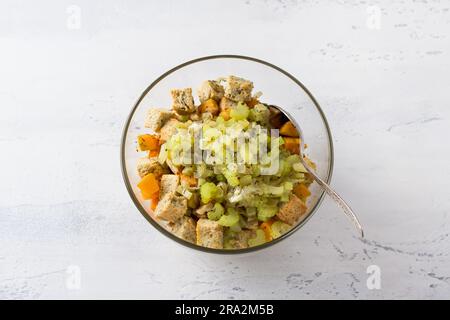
{"points": [[224, 173]]}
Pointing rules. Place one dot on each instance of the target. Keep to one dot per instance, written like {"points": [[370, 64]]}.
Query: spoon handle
{"points": [[337, 198]]}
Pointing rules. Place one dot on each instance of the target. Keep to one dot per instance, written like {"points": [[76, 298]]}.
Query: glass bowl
{"points": [[278, 87]]}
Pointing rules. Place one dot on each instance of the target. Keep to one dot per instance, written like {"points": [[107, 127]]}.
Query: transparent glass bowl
{"points": [[278, 87]]}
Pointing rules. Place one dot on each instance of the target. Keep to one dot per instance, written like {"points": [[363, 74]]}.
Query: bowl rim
{"points": [[189, 244]]}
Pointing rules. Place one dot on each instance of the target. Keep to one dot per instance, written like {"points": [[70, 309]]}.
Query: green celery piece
{"points": [[258, 240], [279, 228], [208, 191], [231, 218], [239, 112]]}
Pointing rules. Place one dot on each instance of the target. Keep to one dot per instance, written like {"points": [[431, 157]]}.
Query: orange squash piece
{"points": [[291, 144], [211, 106], [153, 153], [301, 191], [288, 129], [266, 227], [149, 186], [148, 142], [154, 200]]}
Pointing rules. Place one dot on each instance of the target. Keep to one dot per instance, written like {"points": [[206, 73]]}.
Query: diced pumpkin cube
{"points": [[266, 227], [149, 185], [291, 144], [288, 129], [210, 106], [301, 191], [153, 153], [148, 142], [154, 200]]}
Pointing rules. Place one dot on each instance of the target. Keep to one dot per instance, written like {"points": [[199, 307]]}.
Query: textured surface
{"points": [[379, 69]]}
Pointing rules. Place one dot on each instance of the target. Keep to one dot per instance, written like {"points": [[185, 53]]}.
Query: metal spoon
{"points": [[344, 206]]}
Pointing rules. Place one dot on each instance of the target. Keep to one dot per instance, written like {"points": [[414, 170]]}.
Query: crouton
{"points": [[184, 228], [292, 210], [209, 234], [226, 104], [168, 184], [174, 168], [210, 89], [238, 89], [168, 130], [150, 165], [240, 241], [183, 102], [156, 118], [171, 207]]}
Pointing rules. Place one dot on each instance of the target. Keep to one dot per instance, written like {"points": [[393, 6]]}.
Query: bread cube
{"points": [[238, 89], [240, 241], [210, 89], [184, 228], [168, 130], [168, 184], [156, 118], [209, 234], [150, 165], [291, 211], [183, 102], [171, 207]]}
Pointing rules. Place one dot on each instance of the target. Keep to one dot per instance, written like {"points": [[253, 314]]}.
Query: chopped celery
{"points": [[288, 186], [279, 228], [217, 212], [293, 159], [246, 180], [221, 178], [162, 157], [267, 212], [299, 167], [236, 227], [220, 120], [299, 175], [259, 239], [231, 178], [208, 191], [259, 113], [239, 112], [231, 218], [184, 192], [274, 190]]}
